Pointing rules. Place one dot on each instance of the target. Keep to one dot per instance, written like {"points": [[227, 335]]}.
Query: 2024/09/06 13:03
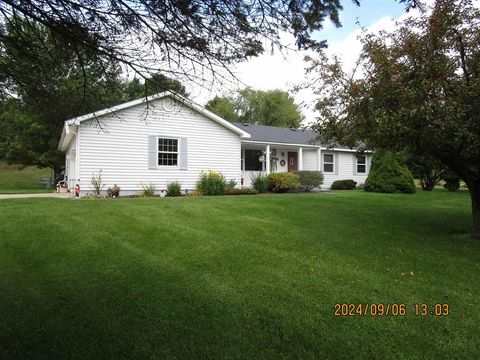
{"points": [[390, 309]]}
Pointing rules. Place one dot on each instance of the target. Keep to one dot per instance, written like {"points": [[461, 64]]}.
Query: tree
{"points": [[426, 168], [157, 83], [419, 91], [223, 107], [33, 114], [177, 38], [272, 107], [388, 174]]}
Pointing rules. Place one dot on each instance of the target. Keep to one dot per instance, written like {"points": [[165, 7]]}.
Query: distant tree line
{"points": [[272, 107]]}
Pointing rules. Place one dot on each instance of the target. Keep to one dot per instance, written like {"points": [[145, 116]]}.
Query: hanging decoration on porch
{"points": [[273, 159], [282, 162]]}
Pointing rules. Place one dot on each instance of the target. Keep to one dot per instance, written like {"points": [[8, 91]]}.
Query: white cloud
{"points": [[283, 71]]}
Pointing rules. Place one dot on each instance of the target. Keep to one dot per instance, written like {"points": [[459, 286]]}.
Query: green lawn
{"points": [[15, 180], [237, 277]]}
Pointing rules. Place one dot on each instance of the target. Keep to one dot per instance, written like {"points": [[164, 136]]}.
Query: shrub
{"points": [[148, 190], [259, 183], [241, 192], [310, 179], [282, 182], [211, 183], [343, 185], [230, 185], [113, 192], [388, 174], [96, 181], [452, 181], [174, 189]]}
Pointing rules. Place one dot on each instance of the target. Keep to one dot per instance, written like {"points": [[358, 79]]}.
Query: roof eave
{"points": [[66, 137]]}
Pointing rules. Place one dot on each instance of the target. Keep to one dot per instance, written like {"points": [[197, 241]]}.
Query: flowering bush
{"points": [[283, 182], [211, 183]]}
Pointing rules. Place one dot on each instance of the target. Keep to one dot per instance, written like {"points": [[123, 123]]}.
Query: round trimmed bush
{"points": [[282, 182], [174, 189], [310, 179], [389, 175], [343, 185], [452, 181]]}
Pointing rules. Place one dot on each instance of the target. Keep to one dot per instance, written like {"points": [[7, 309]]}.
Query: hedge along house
{"points": [[166, 138]]}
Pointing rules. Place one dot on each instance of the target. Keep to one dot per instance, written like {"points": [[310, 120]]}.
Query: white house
{"points": [[167, 138]]}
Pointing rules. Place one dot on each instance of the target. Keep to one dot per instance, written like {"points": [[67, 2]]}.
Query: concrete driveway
{"points": [[40, 195]]}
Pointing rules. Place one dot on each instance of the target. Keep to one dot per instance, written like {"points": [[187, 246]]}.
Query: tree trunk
{"points": [[427, 183], [474, 190]]}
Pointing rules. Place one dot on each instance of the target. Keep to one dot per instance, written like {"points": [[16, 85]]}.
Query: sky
{"points": [[284, 71]]}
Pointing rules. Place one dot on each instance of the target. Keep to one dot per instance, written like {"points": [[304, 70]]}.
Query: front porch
{"points": [[264, 158]]}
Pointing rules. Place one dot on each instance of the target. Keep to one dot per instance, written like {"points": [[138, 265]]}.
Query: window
{"points": [[361, 164], [328, 164], [167, 152], [252, 162]]}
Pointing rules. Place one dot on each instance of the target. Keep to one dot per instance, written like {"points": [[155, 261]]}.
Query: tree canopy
{"points": [[272, 107], [189, 38], [418, 89]]}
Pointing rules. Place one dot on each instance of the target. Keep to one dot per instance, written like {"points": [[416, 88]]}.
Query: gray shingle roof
{"points": [[278, 134]]}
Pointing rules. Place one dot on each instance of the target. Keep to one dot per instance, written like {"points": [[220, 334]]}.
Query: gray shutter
{"points": [[335, 159], [320, 160], [183, 154], [368, 160], [355, 164], [152, 152]]}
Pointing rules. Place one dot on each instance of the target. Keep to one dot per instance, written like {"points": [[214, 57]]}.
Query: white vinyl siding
{"points": [[344, 169], [310, 159], [121, 149], [70, 164]]}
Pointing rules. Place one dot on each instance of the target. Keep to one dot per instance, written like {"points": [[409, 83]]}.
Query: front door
{"points": [[292, 161]]}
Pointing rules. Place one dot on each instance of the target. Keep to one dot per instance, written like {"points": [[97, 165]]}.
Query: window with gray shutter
{"points": [[167, 152]]}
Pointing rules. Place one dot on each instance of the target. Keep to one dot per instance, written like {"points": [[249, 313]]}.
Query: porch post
{"points": [[267, 160], [300, 158], [319, 159], [243, 159]]}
